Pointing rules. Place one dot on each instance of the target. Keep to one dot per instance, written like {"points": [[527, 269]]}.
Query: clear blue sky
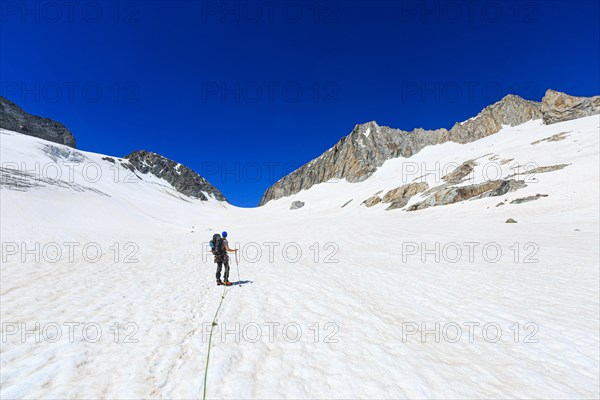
{"points": [[245, 92]]}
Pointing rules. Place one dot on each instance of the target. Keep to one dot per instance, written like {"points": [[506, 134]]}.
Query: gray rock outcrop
{"points": [[371, 201], [547, 168], [356, 156], [554, 138], [400, 196], [182, 178], [456, 194], [558, 106], [14, 118], [528, 198], [460, 172], [405, 191], [296, 205]]}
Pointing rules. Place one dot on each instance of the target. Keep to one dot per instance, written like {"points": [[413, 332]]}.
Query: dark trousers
{"points": [[220, 262]]}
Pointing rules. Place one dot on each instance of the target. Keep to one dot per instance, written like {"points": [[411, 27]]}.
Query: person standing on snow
{"points": [[220, 249]]}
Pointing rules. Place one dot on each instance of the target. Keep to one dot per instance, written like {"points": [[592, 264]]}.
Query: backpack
{"points": [[216, 245]]}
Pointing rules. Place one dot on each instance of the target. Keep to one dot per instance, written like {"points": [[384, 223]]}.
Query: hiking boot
{"points": [[219, 283]]}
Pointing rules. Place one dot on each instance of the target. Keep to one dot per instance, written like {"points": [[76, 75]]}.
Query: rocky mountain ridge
{"points": [[14, 118], [557, 107], [183, 179], [356, 156]]}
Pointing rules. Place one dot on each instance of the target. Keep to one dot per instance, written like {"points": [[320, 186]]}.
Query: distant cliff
{"points": [[14, 118]]}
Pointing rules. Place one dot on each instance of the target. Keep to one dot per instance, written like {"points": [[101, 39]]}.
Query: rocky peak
{"points": [[182, 178], [14, 118], [511, 110], [365, 129], [558, 106], [356, 156]]}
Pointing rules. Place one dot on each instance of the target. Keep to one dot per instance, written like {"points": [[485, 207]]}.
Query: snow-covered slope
{"points": [[54, 187], [332, 301], [514, 152]]}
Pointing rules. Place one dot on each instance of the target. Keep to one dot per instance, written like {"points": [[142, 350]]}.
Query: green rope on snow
{"points": [[212, 328]]}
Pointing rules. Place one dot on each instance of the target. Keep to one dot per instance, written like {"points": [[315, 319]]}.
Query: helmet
{"points": [[224, 234]]}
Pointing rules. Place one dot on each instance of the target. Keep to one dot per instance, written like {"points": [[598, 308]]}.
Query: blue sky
{"points": [[245, 92]]}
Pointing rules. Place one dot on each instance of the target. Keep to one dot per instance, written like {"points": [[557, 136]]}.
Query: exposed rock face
{"points": [[558, 106], [371, 201], [511, 110], [14, 118], [400, 196], [554, 138], [356, 156], [346, 203], [404, 191], [538, 170], [460, 172], [511, 221], [183, 179], [296, 205], [528, 198], [547, 168], [456, 194]]}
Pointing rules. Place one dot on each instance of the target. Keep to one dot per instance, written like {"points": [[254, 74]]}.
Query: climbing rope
{"points": [[212, 328], [214, 323]]}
